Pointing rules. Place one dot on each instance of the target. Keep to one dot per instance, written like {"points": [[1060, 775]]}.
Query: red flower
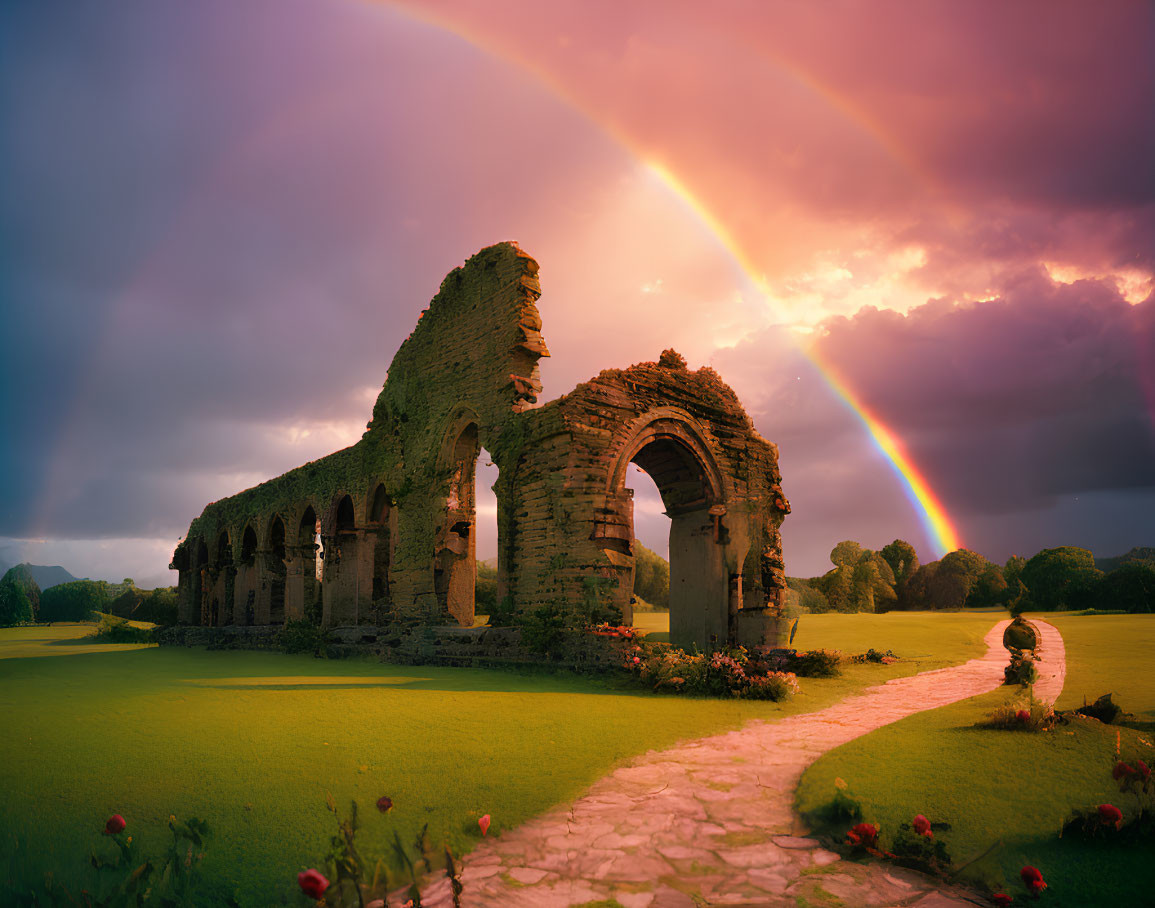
{"points": [[384, 804], [922, 826], [484, 824], [1143, 770], [114, 825], [1001, 899], [1033, 879], [1110, 815], [1122, 770], [864, 834], [312, 883], [1023, 715]]}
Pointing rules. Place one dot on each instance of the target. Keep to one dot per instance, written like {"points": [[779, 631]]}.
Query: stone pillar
{"points": [[300, 580]]}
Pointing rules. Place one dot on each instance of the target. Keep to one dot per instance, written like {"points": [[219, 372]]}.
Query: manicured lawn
{"points": [[251, 742], [1013, 786], [1109, 654]]}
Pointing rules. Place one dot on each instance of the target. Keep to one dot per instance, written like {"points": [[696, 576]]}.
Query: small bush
{"points": [[873, 655], [819, 663], [921, 851], [723, 674], [117, 630], [1021, 669], [302, 636], [1038, 716]]}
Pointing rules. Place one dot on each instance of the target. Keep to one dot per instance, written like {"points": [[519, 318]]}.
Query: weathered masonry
{"points": [[385, 528]]}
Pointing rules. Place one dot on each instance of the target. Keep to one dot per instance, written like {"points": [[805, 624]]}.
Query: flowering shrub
{"points": [[312, 883], [1039, 717], [1134, 779], [1033, 879], [915, 846], [722, 674], [1110, 815], [1021, 669], [608, 630]]}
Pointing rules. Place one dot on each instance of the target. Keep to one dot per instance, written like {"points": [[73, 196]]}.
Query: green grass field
{"points": [[1017, 787], [251, 742]]}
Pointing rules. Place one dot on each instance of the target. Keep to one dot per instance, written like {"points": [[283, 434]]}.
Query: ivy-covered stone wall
{"points": [[386, 528]]}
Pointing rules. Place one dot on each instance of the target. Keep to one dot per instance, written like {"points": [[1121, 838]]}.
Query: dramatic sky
{"points": [[220, 219]]}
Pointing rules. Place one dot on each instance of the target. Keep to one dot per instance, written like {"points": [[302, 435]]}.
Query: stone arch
{"points": [[381, 535], [303, 565], [248, 544], [276, 568], [346, 572], [455, 543], [224, 571], [344, 515], [673, 449]]}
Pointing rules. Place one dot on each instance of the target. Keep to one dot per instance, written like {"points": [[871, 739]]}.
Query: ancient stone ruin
{"points": [[384, 530]]}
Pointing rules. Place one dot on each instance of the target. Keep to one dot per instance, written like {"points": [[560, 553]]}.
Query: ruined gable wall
{"points": [[473, 353]]}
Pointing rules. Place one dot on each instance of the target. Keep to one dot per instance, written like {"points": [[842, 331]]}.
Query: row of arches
{"points": [[565, 531], [278, 574]]}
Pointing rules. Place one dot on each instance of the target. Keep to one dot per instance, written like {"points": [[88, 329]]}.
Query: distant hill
{"points": [[48, 575], [1139, 553]]}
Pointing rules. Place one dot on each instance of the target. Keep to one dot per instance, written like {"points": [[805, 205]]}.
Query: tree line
{"points": [[1063, 578], [23, 602]]}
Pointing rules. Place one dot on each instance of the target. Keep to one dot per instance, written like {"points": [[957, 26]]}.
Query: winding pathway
{"points": [[710, 822]]}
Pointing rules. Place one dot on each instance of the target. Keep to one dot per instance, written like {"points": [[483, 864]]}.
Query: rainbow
{"points": [[941, 533], [932, 515]]}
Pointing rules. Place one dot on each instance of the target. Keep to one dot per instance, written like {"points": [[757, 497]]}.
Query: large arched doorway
{"points": [[380, 533], [455, 559], [688, 481]]}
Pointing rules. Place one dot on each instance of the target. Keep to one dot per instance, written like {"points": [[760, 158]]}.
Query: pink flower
{"points": [[636, 660], [1033, 879], [384, 804], [922, 826], [1023, 715], [484, 824], [1001, 899], [114, 825], [312, 883], [1110, 815]]}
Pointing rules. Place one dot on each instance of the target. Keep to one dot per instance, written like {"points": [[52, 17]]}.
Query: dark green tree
{"points": [[903, 560], [1054, 575], [1130, 586], [75, 601], [22, 577], [651, 576], [15, 606]]}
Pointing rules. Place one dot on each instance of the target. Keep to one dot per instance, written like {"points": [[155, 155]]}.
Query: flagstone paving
{"points": [[710, 822]]}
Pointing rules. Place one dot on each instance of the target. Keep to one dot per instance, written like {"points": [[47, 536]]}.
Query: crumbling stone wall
{"points": [[385, 529]]}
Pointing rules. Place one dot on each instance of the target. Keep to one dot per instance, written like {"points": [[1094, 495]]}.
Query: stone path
{"points": [[710, 822]]}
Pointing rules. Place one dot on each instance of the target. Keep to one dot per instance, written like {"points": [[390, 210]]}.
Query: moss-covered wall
{"points": [[466, 378]]}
